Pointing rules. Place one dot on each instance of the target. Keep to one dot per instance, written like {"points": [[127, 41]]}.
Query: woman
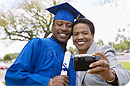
{"points": [[106, 71]]}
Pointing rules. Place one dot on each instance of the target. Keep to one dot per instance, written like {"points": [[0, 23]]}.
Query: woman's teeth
{"points": [[81, 42]]}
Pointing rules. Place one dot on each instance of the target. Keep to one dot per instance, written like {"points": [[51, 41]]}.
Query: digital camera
{"points": [[82, 61]]}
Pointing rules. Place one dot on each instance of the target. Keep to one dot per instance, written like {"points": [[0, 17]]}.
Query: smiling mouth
{"points": [[81, 43], [63, 35]]}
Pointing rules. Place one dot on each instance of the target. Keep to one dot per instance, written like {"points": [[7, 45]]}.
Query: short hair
{"points": [[85, 21]]}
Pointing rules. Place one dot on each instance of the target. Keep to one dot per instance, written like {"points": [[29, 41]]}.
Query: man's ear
{"points": [[51, 30], [52, 27]]}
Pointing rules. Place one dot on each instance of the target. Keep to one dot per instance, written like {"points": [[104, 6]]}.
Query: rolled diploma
{"points": [[66, 62]]}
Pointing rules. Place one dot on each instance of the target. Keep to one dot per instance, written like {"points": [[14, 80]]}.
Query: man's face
{"points": [[61, 30], [82, 37]]}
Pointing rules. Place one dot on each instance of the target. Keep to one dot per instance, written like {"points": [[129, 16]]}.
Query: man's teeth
{"points": [[62, 35], [81, 42]]}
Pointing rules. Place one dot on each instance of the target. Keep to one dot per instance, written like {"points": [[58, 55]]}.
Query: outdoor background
{"points": [[22, 20]]}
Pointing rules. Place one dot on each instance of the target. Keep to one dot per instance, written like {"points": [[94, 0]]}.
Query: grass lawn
{"points": [[125, 65]]}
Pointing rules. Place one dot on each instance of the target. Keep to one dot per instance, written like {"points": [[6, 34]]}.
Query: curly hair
{"points": [[85, 21]]}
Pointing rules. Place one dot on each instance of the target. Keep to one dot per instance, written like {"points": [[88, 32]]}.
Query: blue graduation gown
{"points": [[40, 60]]}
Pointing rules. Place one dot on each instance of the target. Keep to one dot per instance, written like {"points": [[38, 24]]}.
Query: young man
{"points": [[40, 61], [104, 72]]}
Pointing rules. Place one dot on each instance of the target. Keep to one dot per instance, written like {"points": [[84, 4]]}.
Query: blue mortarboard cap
{"points": [[65, 11]]}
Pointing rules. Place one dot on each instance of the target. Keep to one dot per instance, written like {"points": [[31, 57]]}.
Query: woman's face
{"points": [[82, 37]]}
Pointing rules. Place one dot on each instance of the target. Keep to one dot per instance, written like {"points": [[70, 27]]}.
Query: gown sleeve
{"points": [[21, 71]]}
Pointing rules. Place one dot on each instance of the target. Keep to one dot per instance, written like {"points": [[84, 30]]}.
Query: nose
{"points": [[80, 36], [64, 28]]}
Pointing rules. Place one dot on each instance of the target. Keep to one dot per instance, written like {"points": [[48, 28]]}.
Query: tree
{"points": [[100, 42], [123, 41], [11, 56], [28, 20], [7, 57], [111, 44], [120, 35], [103, 2]]}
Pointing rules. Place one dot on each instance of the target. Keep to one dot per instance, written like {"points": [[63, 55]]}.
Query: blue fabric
{"points": [[64, 15], [65, 11], [40, 60], [71, 74]]}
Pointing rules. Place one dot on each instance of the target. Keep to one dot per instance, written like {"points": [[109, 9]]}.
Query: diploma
{"points": [[66, 63]]}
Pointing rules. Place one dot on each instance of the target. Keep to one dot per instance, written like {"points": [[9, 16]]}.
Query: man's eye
{"points": [[70, 26], [59, 24]]}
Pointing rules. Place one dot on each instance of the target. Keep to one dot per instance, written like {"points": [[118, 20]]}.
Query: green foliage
{"points": [[7, 57], [1, 59], [100, 42], [125, 65], [111, 44], [11, 56], [4, 82], [73, 50], [3, 23], [123, 42]]}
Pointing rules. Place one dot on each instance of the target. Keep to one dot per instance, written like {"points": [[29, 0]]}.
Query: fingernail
{"points": [[93, 54], [90, 65], [88, 71]]}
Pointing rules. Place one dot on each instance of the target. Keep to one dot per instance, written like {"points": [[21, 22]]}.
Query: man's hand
{"points": [[61, 80], [102, 68]]}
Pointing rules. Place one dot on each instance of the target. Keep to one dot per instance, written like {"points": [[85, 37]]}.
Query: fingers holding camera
{"points": [[97, 70], [101, 63], [61, 80], [98, 67], [104, 62], [101, 67], [104, 72]]}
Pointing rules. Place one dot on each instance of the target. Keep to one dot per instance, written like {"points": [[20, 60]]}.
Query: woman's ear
{"points": [[92, 36]]}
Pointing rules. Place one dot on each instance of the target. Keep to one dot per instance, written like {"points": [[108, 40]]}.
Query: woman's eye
{"points": [[75, 34], [86, 33]]}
